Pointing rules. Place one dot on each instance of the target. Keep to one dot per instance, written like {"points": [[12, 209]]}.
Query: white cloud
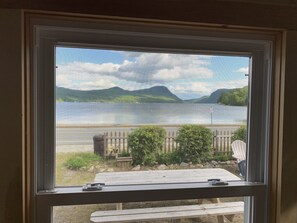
{"points": [[185, 75], [98, 84], [150, 68], [198, 89], [244, 70], [230, 84], [84, 76], [191, 88]]}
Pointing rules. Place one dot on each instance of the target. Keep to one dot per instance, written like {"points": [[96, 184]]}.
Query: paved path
{"points": [[73, 139], [84, 136]]}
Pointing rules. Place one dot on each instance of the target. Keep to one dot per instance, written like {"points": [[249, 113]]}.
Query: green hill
{"points": [[236, 97], [156, 94], [212, 98]]}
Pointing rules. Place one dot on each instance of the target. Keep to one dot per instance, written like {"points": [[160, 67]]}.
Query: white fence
{"points": [[116, 141]]}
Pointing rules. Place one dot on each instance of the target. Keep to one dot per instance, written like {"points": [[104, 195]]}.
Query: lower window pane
{"points": [[179, 211]]}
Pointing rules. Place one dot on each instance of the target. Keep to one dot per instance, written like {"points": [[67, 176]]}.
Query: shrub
{"points": [[145, 143], [222, 158], [194, 143], [124, 154], [169, 158], [240, 134], [79, 160]]}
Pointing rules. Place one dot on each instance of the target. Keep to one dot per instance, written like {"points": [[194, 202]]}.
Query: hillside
{"points": [[236, 97], [156, 94], [212, 98]]}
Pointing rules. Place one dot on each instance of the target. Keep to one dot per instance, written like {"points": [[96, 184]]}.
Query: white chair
{"points": [[239, 150]]}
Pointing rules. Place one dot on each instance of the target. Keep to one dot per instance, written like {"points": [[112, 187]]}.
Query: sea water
{"points": [[148, 113]]}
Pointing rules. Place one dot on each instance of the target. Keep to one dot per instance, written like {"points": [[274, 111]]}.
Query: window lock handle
{"points": [[217, 182], [93, 187]]}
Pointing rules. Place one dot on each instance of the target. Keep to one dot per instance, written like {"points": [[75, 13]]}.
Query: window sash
{"points": [[158, 192], [155, 38]]}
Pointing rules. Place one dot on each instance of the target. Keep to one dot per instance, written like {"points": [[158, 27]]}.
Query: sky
{"points": [[187, 76]]}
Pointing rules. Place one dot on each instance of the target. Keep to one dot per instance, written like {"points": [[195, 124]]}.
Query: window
{"points": [[108, 100], [48, 36]]}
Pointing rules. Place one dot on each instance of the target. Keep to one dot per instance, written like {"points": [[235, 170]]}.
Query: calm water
{"points": [[147, 113]]}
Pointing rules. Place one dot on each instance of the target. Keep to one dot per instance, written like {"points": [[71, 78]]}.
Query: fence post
{"points": [[99, 145], [214, 142]]}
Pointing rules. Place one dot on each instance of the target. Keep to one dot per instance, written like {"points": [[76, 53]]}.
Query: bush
{"points": [[124, 154], [222, 158], [240, 134], [169, 158], [79, 160], [194, 143], [145, 143]]}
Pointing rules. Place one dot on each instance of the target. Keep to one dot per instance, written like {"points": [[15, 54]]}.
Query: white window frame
{"points": [[44, 34]]}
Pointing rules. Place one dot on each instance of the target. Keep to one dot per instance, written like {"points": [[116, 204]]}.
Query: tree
{"points": [[237, 97]]}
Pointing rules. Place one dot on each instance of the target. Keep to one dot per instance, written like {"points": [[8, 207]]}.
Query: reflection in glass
{"points": [[182, 211]]}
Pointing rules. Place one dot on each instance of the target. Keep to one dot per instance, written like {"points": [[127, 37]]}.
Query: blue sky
{"points": [[187, 76]]}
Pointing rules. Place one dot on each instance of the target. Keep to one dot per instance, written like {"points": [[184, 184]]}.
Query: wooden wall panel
{"points": [[279, 14], [11, 117], [224, 12]]}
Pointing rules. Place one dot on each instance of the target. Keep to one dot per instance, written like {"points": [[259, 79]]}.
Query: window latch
{"points": [[217, 182], [93, 186]]}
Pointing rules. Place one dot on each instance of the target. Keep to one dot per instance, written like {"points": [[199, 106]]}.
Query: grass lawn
{"points": [[67, 177]]}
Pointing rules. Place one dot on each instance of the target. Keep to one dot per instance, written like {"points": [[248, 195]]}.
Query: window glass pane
{"points": [[126, 117], [182, 211]]}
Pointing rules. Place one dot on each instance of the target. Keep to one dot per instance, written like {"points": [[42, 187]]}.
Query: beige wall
{"points": [[11, 117], [289, 159], [219, 12]]}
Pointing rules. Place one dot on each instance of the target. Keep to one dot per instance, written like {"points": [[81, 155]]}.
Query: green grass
{"points": [[68, 177], [80, 160]]}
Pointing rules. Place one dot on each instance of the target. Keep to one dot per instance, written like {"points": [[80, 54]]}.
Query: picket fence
{"points": [[116, 141]]}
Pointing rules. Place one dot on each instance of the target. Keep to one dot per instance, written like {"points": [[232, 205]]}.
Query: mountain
{"points": [[212, 98], [155, 94]]}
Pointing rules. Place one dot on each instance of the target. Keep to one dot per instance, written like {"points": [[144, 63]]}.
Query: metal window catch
{"points": [[93, 187], [217, 182]]}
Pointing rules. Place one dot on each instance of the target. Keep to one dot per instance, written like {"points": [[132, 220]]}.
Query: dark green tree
{"points": [[236, 97]]}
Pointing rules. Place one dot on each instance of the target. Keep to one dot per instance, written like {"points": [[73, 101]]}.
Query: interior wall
{"points": [[289, 154], [11, 117], [270, 13], [217, 12]]}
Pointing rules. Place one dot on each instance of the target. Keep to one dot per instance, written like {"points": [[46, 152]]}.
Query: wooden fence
{"points": [[116, 141]]}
